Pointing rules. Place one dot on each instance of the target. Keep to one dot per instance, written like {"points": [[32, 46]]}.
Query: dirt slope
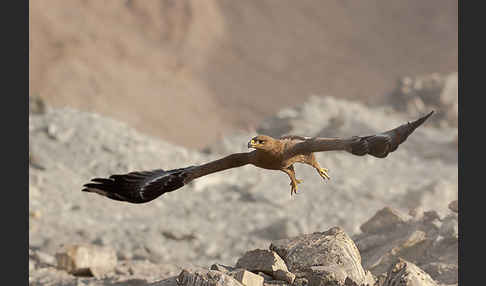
{"points": [[189, 71]]}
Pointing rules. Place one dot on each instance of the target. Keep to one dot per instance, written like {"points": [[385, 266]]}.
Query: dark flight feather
{"points": [[382, 144], [138, 187]]}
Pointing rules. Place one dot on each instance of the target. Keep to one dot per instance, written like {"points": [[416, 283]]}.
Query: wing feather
{"points": [[139, 187], [377, 145]]}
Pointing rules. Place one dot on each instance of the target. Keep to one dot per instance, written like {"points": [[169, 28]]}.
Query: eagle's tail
{"points": [[380, 145], [139, 187]]}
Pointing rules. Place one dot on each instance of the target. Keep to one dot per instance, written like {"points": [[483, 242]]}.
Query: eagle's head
{"points": [[261, 142]]}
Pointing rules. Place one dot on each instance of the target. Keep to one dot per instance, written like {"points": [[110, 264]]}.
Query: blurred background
{"points": [[190, 71], [121, 86]]}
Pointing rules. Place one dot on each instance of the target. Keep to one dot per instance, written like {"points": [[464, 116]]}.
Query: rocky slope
{"points": [[217, 218]]}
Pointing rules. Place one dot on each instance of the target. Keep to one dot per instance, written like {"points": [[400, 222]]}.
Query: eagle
{"points": [[268, 153]]}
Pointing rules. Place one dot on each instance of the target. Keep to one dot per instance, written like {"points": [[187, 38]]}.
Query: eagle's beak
{"points": [[251, 143]]}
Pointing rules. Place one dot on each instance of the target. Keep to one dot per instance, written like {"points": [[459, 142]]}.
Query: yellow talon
{"points": [[299, 181], [324, 174]]}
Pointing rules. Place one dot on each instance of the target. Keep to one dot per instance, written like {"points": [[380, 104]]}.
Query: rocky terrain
{"points": [[379, 209]]}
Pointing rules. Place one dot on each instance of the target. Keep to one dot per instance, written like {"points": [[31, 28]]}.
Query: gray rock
{"points": [[448, 273], [265, 276], [248, 278], [405, 273], [384, 219], [222, 268], [87, 260], [454, 206], [205, 278], [425, 240], [326, 275], [449, 227], [331, 248], [266, 261], [283, 275], [44, 259]]}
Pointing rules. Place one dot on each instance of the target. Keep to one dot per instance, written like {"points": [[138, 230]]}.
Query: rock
{"points": [[87, 260], [301, 282], [445, 273], [333, 248], [266, 261], [222, 268], [404, 273], [382, 220], [205, 278], [44, 259], [449, 227], [326, 275], [248, 278], [266, 277], [283, 275], [454, 206]]}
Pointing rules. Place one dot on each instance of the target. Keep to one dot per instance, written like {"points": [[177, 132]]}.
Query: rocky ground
{"points": [[390, 208]]}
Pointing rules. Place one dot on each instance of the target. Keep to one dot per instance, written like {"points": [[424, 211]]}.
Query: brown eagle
{"points": [[270, 153]]}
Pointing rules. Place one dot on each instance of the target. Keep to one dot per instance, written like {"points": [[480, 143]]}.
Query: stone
{"points": [[333, 248], [405, 273], [44, 259], [454, 206], [87, 260], [384, 219], [266, 277], [248, 278], [266, 261], [443, 272], [450, 227], [326, 275], [283, 275], [205, 278], [222, 268]]}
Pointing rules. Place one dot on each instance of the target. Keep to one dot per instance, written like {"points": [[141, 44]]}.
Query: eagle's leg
{"points": [[311, 160], [293, 181]]}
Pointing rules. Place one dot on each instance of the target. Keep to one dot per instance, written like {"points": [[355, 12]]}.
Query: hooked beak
{"points": [[251, 143]]}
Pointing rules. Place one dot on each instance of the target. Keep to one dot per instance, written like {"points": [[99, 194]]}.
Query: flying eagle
{"points": [[270, 153]]}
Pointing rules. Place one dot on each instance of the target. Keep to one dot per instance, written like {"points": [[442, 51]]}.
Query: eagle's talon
{"points": [[324, 174]]}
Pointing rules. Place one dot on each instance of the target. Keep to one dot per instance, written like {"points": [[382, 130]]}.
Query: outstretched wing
{"points": [[378, 145], [144, 186]]}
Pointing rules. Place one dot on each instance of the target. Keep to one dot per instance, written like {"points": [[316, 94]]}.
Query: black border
{"points": [[15, 137]]}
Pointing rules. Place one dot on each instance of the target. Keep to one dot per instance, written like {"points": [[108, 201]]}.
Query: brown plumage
{"points": [[270, 153]]}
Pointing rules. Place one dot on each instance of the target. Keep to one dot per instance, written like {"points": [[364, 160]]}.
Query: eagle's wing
{"points": [[378, 145], [144, 186]]}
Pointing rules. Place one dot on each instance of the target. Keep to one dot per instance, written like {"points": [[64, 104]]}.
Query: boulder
{"points": [[283, 275], [386, 218], [205, 278], [266, 261], [454, 206], [333, 249], [248, 278], [87, 260], [405, 273]]}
